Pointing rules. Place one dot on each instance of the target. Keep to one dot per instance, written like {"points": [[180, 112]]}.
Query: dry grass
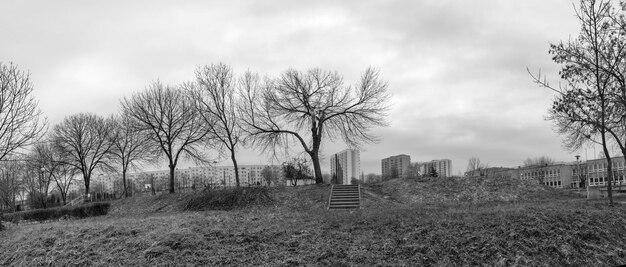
{"points": [[297, 230]]}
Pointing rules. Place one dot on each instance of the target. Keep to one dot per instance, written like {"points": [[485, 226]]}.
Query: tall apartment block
{"points": [[395, 166], [345, 166], [442, 166]]}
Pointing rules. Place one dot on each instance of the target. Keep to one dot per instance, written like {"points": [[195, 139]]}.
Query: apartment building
{"points": [[395, 166], [345, 166], [442, 166], [188, 178]]}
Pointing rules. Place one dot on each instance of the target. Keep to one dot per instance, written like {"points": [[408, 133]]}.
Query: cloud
{"points": [[456, 69]]}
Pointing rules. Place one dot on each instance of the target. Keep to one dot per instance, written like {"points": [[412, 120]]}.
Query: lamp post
{"points": [[578, 171], [45, 194]]}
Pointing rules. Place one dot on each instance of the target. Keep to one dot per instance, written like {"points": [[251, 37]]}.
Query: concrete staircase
{"points": [[344, 197]]}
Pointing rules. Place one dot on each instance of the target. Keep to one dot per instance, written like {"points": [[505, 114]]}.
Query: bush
{"points": [[40, 215], [227, 199]]}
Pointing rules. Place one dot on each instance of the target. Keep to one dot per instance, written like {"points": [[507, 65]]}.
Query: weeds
{"points": [[41, 215], [228, 199], [543, 231]]}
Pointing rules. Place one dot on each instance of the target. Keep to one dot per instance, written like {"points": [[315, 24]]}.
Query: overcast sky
{"points": [[456, 69]]}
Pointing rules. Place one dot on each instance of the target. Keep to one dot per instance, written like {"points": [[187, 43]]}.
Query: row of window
{"points": [[525, 175], [602, 180], [555, 184], [598, 166]]}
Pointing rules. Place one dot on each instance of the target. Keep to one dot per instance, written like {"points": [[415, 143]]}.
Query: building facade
{"points": [[188, 178], [597, 171], [556, 175], [345, 166], [443, 167], [395, 166]]}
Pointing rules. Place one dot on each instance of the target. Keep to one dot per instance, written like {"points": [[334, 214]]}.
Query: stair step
{"points": [[345, 204], [343, 207], [343, 197]]}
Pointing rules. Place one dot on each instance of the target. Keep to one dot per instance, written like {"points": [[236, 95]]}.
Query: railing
{"points": [[359, 196], [332, 186]]}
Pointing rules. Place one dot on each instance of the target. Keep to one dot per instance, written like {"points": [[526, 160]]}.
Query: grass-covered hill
{"points": [[394, 228], [465, 190]]}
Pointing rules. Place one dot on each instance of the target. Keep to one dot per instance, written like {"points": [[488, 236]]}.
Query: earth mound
{"points": [[465, 189]]}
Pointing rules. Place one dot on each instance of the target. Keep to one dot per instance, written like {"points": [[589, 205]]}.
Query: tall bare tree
{"points": [[215, 98], [85, 141], [583, 107], [306, 107], [21, 121], [64, 176], [42, 163], [413, 170], [270, 175], [11, 183], [131, 147], [167, 116], [474, 164]]}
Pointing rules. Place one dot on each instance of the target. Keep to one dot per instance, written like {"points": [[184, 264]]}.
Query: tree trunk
{"points": [[64, 197], [125, 192], [172, 168], [317, 169], [86, 178], [609, 169], [232, 157]]}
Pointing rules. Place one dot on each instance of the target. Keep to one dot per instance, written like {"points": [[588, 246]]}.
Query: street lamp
{"points": [[578, 171]]}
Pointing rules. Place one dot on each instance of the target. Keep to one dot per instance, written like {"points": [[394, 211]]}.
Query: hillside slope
{"points": [[465, 190]]}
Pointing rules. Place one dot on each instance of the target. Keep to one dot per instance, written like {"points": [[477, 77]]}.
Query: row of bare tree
{"points": [[218, 111], [590, 102]]}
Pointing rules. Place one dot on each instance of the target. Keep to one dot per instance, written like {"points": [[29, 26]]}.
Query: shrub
{"points": [[40, 215], [227, 199]]}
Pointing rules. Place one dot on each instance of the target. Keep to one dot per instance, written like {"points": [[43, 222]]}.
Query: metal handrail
{"points": [[332, 186], [359, 196]]}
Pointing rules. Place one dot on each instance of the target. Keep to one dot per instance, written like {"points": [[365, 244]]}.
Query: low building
{"points": [[557, 175], [597, 170]]}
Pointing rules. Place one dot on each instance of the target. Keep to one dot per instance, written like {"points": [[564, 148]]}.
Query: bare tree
{"points": [[42, 163], [21, 121], [131, 147], [538, 161], [295, 170], [474, 164], [583, 107], [315, 103], [64, 175], [84, 142], [167, 116], [10, 183], [215, 99], [270, 175], [413, 170]]}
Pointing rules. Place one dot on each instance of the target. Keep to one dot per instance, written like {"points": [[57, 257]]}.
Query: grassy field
{"points": [[478, 228]]}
